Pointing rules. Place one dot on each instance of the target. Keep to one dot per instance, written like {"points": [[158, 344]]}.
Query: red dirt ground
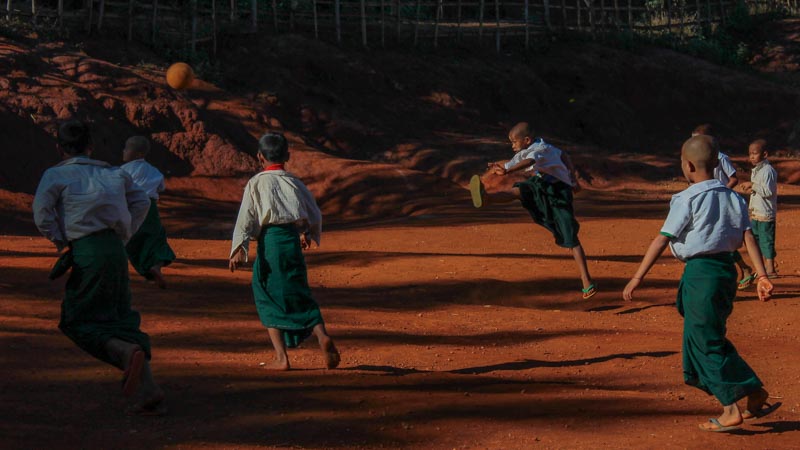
{"points": [[458, 328]]}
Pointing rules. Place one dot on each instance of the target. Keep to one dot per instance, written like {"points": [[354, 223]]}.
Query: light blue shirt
{"points": [[724, 170], [704, 219], [146, 176]]}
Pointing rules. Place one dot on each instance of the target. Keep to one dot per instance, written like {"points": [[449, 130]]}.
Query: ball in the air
{"points": [[180, 76]]}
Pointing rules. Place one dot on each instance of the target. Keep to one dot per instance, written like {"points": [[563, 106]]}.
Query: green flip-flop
{"points": [[476, 191]]}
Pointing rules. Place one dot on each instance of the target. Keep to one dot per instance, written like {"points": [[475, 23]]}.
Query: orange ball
{"points": [[180, 76]]}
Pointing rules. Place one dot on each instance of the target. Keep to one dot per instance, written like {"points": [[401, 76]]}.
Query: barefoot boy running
{"points": [[90, 208], [148, 249], [705, 224], [547, 195], [280, 213]]}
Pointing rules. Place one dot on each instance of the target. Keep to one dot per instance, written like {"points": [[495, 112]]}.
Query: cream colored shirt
{"points": [[146, 176], [764, 198], [274, 197], [81, 196]]}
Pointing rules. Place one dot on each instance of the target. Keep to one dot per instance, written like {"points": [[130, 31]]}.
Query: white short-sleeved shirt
{"points": [[724, 170], [704, 219], [546, 160], [146, 176]]}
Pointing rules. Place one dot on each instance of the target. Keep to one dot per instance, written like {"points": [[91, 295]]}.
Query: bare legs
{"points": [[329, 351], [583, 268]]}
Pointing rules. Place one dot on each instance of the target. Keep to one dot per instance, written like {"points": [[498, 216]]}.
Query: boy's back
{"points": [[144, 174]]}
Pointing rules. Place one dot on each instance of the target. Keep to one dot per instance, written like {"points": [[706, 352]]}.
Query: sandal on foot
{"points": [[476, 191], [133, 374], [718, 427], [746, 282], [765, 410], [589, 291]]}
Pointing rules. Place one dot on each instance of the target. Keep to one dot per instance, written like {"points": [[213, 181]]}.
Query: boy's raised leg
{"points": [[481, 198], [758, 406], [589, 289], [281, 358]]}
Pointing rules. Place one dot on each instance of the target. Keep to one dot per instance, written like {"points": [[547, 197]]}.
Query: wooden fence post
{"points": [[527, 28], [630, 15], [458, 21], [61, 16], [578, 13], [274, 14], [481, 6], [214, 27], [154, 23], [337, 13], [33, 11], [130, 20], [90, 13], [616, 14], [547, 15], [497, 21], [564, 15], [253, 16], [669, 18], [590, 4], [316, 20], [416, 23], [399, 18], [100, 13], [193, 38], [363, 23], [436, 24], [8, 11]]}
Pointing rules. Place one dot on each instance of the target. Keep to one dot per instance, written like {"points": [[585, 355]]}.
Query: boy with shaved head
{"points": [[705, 224], [148, 249], [547, 195]]}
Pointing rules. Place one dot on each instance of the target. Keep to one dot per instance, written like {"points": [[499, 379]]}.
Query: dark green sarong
{"points": [[280, 285], [549, 202], [97, 302], [148, 246], [705, 300], [764, 232]]}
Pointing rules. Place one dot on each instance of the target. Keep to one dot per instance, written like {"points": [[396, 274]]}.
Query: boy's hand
{"points": [[746, 188], [305, 241], [576, 188], [627, 294], [764, 288], [236, 260], [499, 170]]}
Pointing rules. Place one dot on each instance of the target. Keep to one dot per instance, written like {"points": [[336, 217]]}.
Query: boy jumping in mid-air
{"points": [[726, 174], [763, 190], [148, 249], [705, 224], [547, 195], [280, 213]]}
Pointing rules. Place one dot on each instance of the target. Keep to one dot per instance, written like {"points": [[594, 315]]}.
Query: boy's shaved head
{"points": [[520, 130], [760, 144], [702, 130], [702, 151], [138, 144]]}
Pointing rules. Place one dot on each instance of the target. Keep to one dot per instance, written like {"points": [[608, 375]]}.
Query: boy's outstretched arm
{"points": [[764, 286], [653, 252], [733, 180], [524, 164]]}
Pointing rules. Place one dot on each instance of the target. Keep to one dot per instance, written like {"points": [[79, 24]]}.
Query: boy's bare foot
{"points": [[133, 364], [278, 364], [150, 404], [757, 405], [329, 351], [155, 272]]}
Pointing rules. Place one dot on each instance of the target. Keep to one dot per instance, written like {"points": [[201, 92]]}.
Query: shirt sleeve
{"points": [[678, 218], [138, 202], [726, 166], [247, 223], [767, 183], [44, 210]]}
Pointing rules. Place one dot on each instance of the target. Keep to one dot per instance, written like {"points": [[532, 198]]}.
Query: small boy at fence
{"points": [[706, 223], [148, 249], [280, 213], [547, 195]]}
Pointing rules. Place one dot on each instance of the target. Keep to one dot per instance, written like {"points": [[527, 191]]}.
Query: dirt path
{"points": [[458, 331]]}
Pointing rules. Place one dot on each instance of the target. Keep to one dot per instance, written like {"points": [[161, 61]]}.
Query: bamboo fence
{"points": [[377, 23]]}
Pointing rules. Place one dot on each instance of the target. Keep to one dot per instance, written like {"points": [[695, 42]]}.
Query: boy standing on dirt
{"points": [[547, 195], [280, 213], [706, 223], [91, 208], [763, 190], [148, 249], [726, 174]]}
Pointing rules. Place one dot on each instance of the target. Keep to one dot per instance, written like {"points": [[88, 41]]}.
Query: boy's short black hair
{"points": [[73, 137], [273, 147]]}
